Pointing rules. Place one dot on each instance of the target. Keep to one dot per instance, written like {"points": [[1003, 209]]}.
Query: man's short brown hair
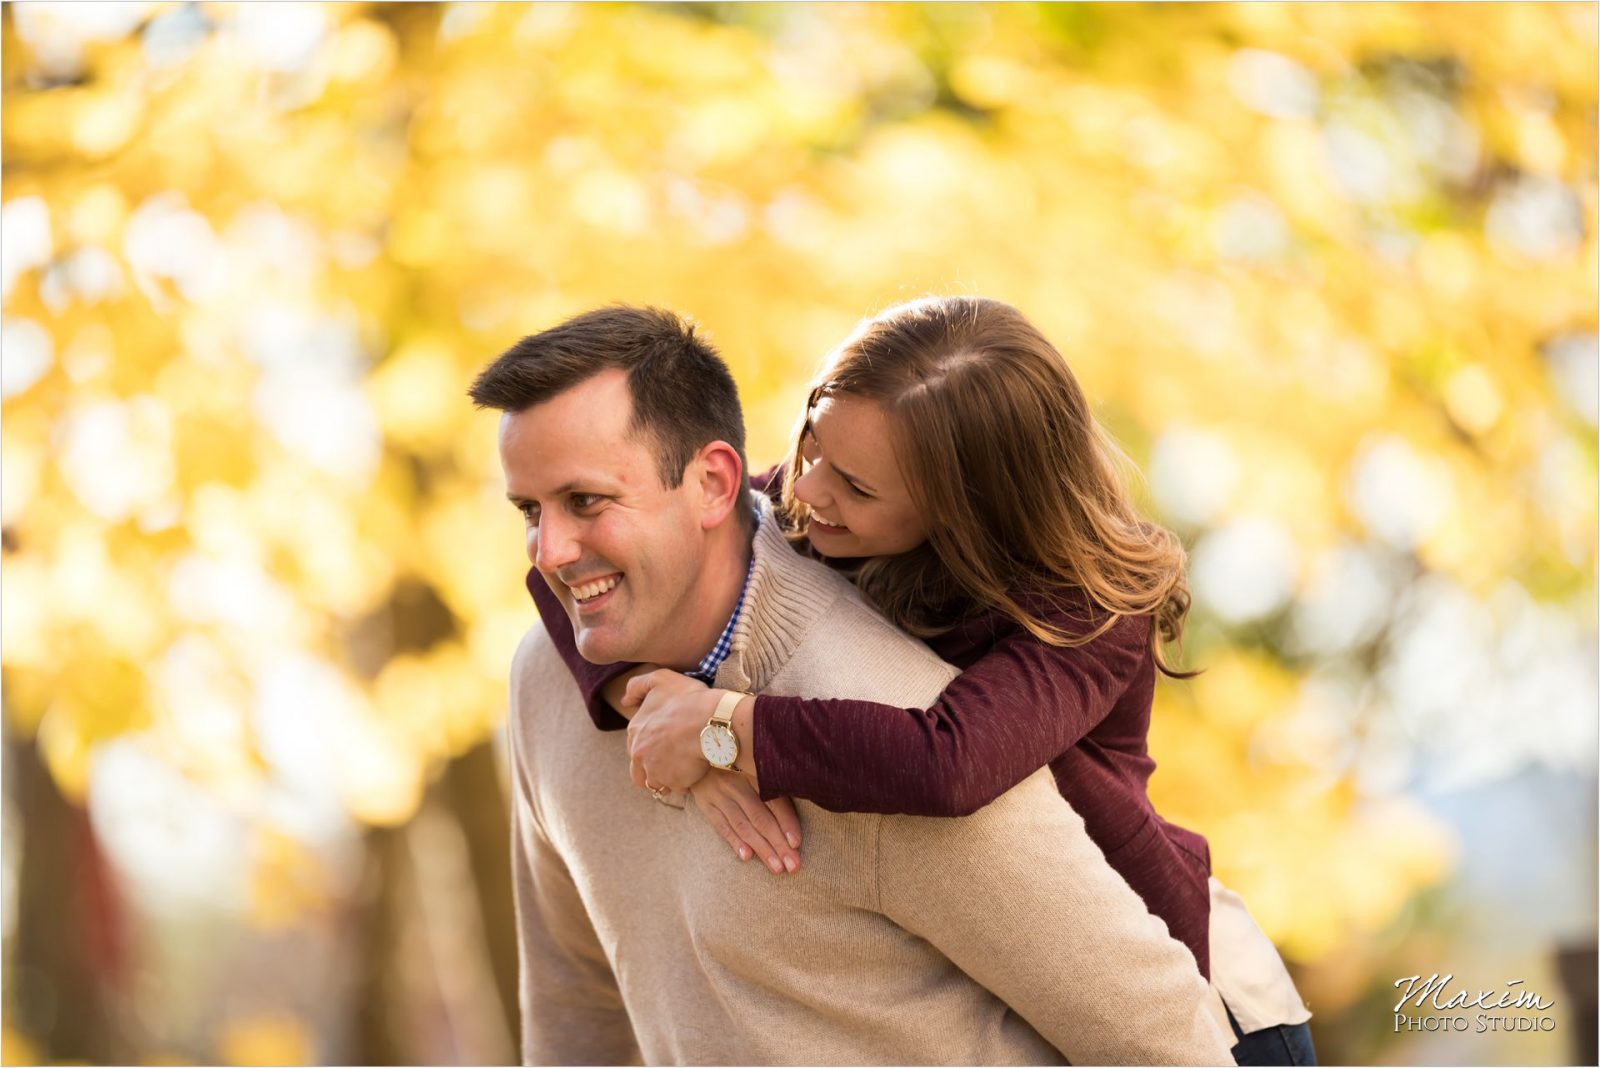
{"points": [[683, 394]]}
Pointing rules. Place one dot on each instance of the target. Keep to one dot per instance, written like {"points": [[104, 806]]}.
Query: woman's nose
{"points": [[809, 489]]}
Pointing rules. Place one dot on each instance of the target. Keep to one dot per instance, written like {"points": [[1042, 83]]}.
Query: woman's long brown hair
{"points": [[1018, 485]]}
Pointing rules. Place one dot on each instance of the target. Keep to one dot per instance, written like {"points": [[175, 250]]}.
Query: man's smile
{"points": [[589, 594]]}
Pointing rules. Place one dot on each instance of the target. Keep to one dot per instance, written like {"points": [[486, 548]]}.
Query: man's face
{"points": [[622, 552]]}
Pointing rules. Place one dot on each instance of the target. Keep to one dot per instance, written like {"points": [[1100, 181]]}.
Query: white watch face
{"points": [[719, 745]]}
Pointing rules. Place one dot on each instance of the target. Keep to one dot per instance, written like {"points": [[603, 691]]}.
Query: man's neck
{"points": [[718, 590]]}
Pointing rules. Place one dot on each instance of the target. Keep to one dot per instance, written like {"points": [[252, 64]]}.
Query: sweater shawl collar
{"points": [[788, 594]]}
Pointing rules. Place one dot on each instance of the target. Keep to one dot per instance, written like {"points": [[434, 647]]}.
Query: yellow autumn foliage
{"points": [[248, 280]]}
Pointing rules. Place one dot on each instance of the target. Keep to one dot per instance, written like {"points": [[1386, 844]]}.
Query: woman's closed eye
{"points": [[811, 454]]}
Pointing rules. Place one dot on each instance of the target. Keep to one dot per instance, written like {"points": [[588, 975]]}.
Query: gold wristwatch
{"points": [[718, 743]]}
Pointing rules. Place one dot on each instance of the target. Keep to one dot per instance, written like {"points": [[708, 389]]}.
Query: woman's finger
{"points": [[772, 846], [640, 685], [739, 819], [720, 824], [789, 820], [639, 769]]}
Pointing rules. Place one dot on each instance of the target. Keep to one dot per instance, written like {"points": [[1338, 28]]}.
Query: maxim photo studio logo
{"points": [[1456, 1007]]}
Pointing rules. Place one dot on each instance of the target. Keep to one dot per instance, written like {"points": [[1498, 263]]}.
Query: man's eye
{"points": [[529, 510], [585, 501]]}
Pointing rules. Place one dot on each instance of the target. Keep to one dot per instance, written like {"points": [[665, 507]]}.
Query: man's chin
{"points": [[600, 648]]}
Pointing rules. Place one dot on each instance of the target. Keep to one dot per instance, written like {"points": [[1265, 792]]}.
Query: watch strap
{"points": [[725, 706], [723, 717]]}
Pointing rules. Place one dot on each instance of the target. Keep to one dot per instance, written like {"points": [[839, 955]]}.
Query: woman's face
{"points": [[860, 504]]}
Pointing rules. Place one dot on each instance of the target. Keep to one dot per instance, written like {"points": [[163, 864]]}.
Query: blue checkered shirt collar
{"points": [[706, 670]]}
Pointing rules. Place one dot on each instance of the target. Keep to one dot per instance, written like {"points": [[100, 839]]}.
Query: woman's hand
{"points": [[615, 691], [770, 830], [664, 734]]}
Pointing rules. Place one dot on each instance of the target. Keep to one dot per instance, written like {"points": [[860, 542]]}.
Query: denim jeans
{"points": [[1281, 1044]]}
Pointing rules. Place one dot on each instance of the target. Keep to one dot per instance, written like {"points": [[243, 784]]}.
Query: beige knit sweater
{"points": [[998, 938]]}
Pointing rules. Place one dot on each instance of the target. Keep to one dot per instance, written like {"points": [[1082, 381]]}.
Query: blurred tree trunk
{"points": [[472, 791], [1577, 963], [418, 885], [68, 950], [380, 991]]}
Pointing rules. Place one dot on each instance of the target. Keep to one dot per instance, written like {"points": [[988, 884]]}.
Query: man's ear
{"points": [[717, 470]]}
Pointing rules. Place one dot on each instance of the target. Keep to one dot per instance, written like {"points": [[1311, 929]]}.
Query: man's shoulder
{"points": [[536, 652], [1035, 797], [808, 631], [853, 651], [850, 618], [1031, 818], [539, 677]]}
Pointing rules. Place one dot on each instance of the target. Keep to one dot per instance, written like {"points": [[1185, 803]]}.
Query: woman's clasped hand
{"points": [[664, 754]]}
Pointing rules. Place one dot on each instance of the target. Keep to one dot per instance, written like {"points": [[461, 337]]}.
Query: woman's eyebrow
{"points": [[811, 426], [853, 480]]}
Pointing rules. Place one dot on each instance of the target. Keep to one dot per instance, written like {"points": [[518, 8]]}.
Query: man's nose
{"points": [[553, 544]]}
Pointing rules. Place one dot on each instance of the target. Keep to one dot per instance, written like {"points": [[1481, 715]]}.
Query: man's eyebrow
{"points": [[559, 491]]}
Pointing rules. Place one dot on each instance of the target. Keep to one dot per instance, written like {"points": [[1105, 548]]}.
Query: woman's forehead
{"points": [[854, 431]]}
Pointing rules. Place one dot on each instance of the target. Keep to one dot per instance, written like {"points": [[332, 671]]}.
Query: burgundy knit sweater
{"points": [[1018, 705]]}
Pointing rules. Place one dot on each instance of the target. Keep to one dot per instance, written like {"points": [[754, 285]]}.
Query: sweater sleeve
{"points": [[591, 678], [1016, 709]]}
